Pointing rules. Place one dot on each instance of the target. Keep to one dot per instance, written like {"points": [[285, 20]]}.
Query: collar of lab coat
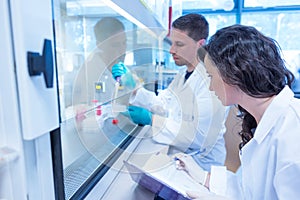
{"points": [[273, 113], [199, 71]]}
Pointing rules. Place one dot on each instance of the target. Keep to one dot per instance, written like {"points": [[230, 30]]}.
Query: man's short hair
{"points": [[194, 24]]}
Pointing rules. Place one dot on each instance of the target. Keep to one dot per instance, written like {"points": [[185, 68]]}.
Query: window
{"points": [[280, 21], [282, 27], [226, 5], [268, 3], [217, 21]]}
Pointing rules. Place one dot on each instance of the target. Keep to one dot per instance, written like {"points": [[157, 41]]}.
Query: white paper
{"points": [[179, 180]]}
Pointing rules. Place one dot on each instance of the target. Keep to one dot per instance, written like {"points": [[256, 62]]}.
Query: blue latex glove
{"points": [[139, 115], [120, 71]]}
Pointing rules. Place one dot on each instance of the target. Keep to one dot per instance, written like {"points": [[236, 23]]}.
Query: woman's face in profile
{"points": [[226, 93]]}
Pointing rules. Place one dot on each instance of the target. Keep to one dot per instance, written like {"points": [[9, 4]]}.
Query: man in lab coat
{"points": [[186, 116], [95, 85], [110, 49]]}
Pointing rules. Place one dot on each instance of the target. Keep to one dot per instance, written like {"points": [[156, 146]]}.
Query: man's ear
{"points": [[201, 42]]}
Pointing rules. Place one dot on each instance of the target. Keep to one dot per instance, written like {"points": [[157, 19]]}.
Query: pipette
{"points": [[117, 108]]}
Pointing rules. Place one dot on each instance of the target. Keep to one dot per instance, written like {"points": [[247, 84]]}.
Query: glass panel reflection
{"points": [[90, 38], [91, 130]]}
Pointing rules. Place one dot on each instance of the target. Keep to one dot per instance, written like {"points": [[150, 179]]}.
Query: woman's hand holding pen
{"points": [[187, 163]]}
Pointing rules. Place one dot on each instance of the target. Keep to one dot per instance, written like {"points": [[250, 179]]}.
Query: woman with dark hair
{"points": [[247, 70]]}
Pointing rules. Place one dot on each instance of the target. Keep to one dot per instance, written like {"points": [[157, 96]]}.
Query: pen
{"points": [[189, 154], [194, 153]]}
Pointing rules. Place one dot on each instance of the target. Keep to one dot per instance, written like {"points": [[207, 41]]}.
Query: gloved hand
{"points": [[187, 163], [119, 70], [139, 115]]}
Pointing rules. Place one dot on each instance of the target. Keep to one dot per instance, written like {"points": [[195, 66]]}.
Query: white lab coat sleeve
{"points": [[142, 97], [164, 130], [149, 100], [225, 183]]}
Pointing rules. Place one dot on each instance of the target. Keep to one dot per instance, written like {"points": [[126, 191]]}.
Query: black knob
{"points": [[38, 64]]}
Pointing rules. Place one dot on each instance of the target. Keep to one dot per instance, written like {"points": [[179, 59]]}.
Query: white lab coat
{"points": [[270, 162], [190, 118]]}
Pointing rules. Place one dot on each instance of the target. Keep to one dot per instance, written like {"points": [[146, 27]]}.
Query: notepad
{"points": [[167, 182]]}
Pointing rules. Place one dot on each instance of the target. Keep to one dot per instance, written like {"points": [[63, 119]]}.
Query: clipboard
{"points": [[158, 186]]}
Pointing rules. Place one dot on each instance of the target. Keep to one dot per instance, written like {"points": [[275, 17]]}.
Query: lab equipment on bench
{"points": [[108, 109]]}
